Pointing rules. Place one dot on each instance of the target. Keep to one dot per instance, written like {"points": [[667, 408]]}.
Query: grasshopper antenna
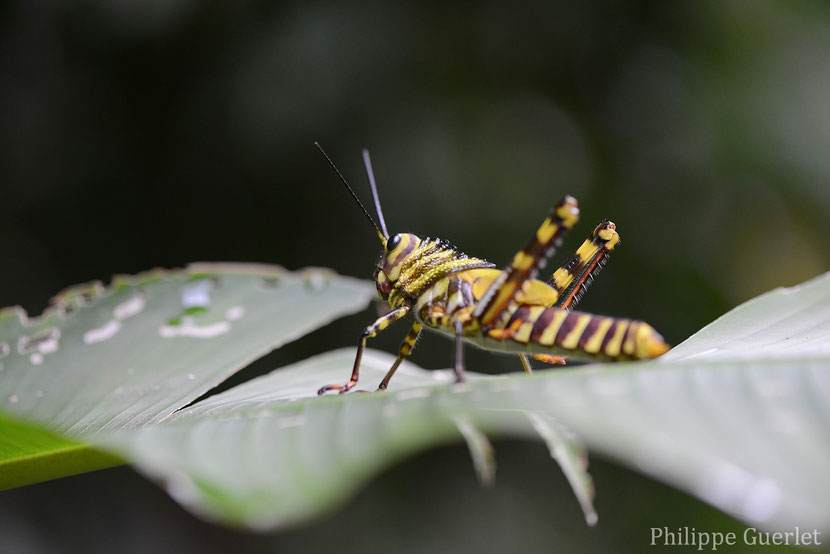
{"points": [[368, 163], [381, 235]]}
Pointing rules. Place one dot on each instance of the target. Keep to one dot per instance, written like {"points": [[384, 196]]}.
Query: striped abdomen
{"points": [[559, 330]]}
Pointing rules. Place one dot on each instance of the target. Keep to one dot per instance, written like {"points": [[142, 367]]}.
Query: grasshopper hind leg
{"points": [[573, 278], [494, 306]]}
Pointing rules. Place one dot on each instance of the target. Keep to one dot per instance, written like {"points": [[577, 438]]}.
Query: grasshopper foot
{"points": [[342, 388], [548, 359]]}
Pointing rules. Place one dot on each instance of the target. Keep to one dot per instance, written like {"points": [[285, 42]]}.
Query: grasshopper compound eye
{"points": [[393, 243]]}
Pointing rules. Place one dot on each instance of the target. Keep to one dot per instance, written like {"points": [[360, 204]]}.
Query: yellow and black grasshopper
{"points": [[470, 301]]}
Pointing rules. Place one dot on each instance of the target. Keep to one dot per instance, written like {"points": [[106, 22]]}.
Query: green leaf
{"points": [[130, 355], [29, 454], [271, 453], [738, 417]]}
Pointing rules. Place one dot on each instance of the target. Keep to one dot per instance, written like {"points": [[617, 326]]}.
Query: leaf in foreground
{"points": [[738, 416], [29, 454], [127, 356]]}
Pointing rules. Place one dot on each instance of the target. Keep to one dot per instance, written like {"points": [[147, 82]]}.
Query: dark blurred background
{"points": [[141, 133]]}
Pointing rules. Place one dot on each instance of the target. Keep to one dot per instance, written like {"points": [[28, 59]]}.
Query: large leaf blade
{"points": [[131, 354], [745, 433], [785, 322], [725, 417], [258, 457]]}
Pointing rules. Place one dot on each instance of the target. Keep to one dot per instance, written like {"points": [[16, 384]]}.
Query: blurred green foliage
{"points": [[156, 132]]}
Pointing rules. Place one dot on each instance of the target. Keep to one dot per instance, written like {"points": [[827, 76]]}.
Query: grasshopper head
{"points": [[396, 250]]}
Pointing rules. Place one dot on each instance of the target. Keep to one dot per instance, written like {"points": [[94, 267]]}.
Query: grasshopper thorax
{"points": [[410, 265]]}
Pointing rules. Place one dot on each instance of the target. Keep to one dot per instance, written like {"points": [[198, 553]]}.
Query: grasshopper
{"points": [[468, 300]]}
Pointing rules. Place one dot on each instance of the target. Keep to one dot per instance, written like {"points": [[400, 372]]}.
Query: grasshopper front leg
{"points": [[370, 332]]}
